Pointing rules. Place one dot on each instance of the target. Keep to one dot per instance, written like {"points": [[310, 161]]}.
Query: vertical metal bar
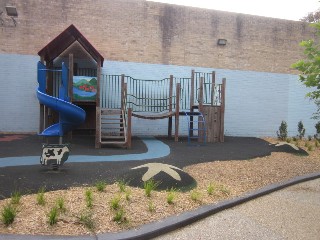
{"points": [[213, 82]]}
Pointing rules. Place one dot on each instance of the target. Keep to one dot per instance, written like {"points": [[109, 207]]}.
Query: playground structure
{"points": [[109, 102], [200, 100]]}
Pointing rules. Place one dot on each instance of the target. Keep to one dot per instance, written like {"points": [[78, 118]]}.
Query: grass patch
{"points": [[115, 202], [149, 186], [89, 198], [119, 216], [211, 188], [101, 185], [40, 197], [195, 195], [8, 214], [87, 220], [151, 207], [170, 196], [122, 185], [15, 197], [61, 205], [53, 216]]}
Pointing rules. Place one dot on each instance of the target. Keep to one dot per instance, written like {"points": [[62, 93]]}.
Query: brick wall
{"points": [[141, 31]]}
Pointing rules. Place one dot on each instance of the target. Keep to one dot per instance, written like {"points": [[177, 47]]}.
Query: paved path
{"points": [[292, 213]]}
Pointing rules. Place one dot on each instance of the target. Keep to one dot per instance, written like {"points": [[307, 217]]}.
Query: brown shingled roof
{"points": [[54, 48]]}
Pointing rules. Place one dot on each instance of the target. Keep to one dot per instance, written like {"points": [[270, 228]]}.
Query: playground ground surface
{"points": [[234, 168]]}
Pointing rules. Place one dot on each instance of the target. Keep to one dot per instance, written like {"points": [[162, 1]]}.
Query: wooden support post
{"points": [[201, 95], [200, 122], [98, 103], [191, 102], [213, 84], [223, 104], [122, 89], [170, 107], [129, 134], [70, 85], [176, 134], [98, 127]]}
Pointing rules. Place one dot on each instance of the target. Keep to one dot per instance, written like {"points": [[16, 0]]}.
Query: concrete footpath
{"points": [[291, 213]]}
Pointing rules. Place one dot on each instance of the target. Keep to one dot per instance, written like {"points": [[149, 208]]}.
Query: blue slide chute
{"points": [[70, 115]]}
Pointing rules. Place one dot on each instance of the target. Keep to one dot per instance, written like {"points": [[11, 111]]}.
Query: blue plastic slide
{"points": [[70, 115]]}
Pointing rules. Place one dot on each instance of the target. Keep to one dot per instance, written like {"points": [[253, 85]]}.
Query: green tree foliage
{"points": [[310, 67]]}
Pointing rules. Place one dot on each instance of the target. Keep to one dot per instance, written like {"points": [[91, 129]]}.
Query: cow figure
{"points": [[54, 155]]}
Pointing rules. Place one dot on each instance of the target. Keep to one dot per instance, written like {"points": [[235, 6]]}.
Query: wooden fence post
{"points": [[129, 134], [176, 134], [223, 105], [170, 107]]}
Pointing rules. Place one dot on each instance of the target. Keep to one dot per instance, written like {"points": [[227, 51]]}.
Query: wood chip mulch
{"points": [[227, 178]]}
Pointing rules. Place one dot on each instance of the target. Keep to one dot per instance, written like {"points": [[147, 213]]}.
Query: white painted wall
{"points": [[256, 102]]}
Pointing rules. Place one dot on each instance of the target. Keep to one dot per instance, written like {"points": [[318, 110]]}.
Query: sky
{"points": [[283, 9]]}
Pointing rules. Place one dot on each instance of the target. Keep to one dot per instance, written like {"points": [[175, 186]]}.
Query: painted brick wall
{"points": [[18, 102], [256, 102], [149, 32]]}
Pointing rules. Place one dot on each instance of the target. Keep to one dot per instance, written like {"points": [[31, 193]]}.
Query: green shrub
{"points": [[170, 196], [15, 197], [115, 202], [53, 216], [211, 188], [122, 185], [301, 130], [149, 186], [8, 214], [40, 197], [317, 126], [101, 185], [119, 216], [151, 206], [87, 220], [128, 194], [195, 195], [89, 198], [60, 204], [283, 132]]}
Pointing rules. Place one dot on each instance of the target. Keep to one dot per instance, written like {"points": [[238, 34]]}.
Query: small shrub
{"points": [[301, 130], [8, 214], [195, 195], [40, 197], [60, 204], [100, 185], [87, 220], [317, 126], [151, 206], [294, 139], [115, 202], [128, 194], [283, 132], [15, 197], [53, 216], [122, 185], [310, 138], [310, 148], [119, 216], [89, 198], [170, 196], [288, 140], [211, 188], [224, 190], [306, 144], [149, 186], [316, 143]]}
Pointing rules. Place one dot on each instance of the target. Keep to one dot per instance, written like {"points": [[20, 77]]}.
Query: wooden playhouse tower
{"points": [[83, 60]]}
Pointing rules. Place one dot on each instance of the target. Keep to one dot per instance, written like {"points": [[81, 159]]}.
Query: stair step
{"points": [[106, 111], [111, 137], [112, 143]]}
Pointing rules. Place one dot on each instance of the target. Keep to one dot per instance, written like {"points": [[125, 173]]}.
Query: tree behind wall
{"points": [[310, 68]]}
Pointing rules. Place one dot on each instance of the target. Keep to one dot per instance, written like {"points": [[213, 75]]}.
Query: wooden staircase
{"points": [[112, 128]]}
